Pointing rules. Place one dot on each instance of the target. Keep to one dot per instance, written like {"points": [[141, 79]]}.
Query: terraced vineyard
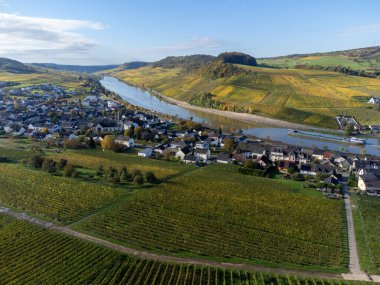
{"points": [[57, 198], [228, 215], [302, 96], [367, 226], [32, 255]]}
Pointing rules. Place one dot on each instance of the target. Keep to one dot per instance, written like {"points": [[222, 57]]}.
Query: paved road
{"points": [[164, 258]]}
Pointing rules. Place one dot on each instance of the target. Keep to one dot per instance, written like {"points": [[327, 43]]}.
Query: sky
{"points": [[97, 32]]}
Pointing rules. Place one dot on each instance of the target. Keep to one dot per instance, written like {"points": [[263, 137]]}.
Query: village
{"points": [[51, 115]]}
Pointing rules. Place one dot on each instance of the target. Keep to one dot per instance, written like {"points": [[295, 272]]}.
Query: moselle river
{"points": [[139, 97]]}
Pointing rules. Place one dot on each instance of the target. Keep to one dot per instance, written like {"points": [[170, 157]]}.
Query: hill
{"points": [[237, 58], [362, 61], [14, 66], [77, 68], [312, 97], [134, 64]]}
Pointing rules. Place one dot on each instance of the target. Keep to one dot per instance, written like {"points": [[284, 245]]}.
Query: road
{"points": [[354, 264], [164, 258]]}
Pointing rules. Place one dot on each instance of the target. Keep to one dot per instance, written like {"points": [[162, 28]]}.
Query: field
{"points": [[230, 216], [95, 158], [67, 80], [32, 255], [321, 60], [367, 226], [303, 96], [57, 198]]}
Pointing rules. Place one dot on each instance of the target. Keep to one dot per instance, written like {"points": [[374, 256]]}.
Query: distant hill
{"points": [[185, 62], [134, 64], [237, 58], [362, 61], [77, 68], [14, 66]]}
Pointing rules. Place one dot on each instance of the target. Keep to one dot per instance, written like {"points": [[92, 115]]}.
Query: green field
{"points": [[95, 158], [32, 255], [221, 214], [57, 198], [367, 227], [321, 60], [302, 96]]}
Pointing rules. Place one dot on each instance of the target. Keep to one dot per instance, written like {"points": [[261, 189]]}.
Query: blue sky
{"points": [[116, 31]]}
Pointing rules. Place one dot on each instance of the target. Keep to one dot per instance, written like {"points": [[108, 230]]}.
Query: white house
{"points": [[370, 182], [202, 154], [126, 141]]}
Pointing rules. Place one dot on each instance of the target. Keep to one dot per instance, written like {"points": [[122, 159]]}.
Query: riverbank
{"points": [[243, 117]]}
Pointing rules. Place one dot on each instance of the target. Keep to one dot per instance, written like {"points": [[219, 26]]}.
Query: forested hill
{"points": [[14, 66], [362, 61], [77, 68]]}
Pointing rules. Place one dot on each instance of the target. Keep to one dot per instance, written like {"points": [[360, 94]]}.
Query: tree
{"points": [[35, 161], [229, 145], [349, 130], [139, 179], [138, 132], [91, 143], [107, 142], [150, 177], [130, 132], [48, 165], [69, 170]]}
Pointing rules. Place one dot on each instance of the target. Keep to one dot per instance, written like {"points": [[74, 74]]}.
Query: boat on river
{"points": [[350, 140]]}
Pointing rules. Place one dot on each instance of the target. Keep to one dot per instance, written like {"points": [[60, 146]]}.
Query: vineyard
{"points": [[308, 96], [367, 226], [57, 198], [32, 255], [228, 215]]}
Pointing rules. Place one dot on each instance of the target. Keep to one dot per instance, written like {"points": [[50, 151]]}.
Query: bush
{"points": [[150, 177], [138, 179], [61, 164], [135, 172], [36, 160], [70, 171], [48, 165]]}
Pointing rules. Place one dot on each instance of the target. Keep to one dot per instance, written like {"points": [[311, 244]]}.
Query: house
{"points": [[125, 140], [202, 145], [331, 180], [224, 157], [181, 153], [374, 100], [306, 169], [318, 154], [190, 159], [147, 152], [284, 165], [106, 126], [342, 164], [375, 129], [202, 154], [160, 148], [370, 182]]}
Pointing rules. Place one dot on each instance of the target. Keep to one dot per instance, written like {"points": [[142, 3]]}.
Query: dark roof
{"points": [[224, 156]]}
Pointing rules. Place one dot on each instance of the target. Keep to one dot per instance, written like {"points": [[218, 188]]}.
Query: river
{"points": [[142, 98]]}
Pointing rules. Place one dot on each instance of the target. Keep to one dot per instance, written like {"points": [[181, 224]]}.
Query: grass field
{"points": [[230, 216], [32, 255], [303, 96], [367, 227], [57, 198], [67, 80], [322, 60], [95, 158]]}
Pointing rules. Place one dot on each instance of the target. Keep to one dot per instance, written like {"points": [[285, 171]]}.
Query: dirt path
{"points": [[164, 258]]}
